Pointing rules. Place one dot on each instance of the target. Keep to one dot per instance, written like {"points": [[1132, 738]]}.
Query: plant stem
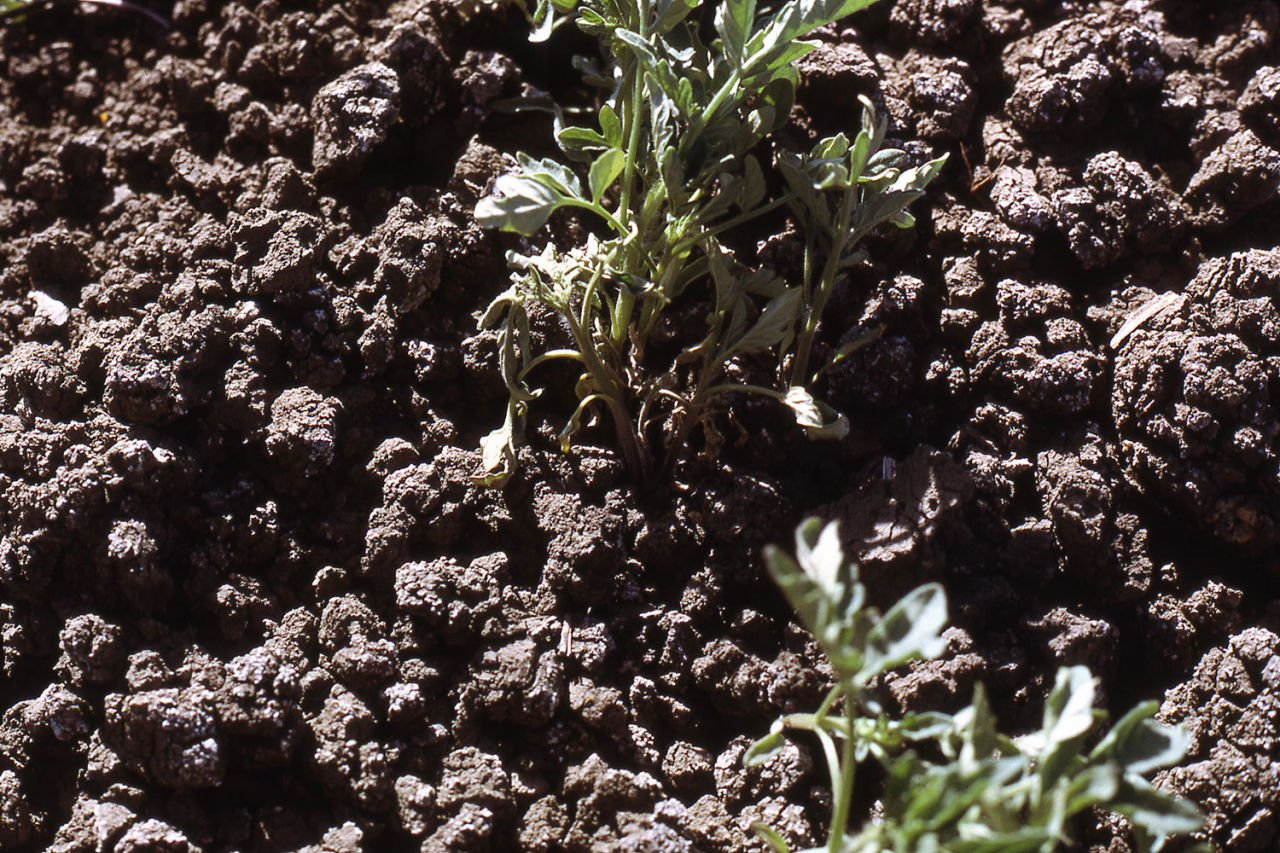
{"points": [[830, 271], [843, 798], [607, 382], [634, 113]]}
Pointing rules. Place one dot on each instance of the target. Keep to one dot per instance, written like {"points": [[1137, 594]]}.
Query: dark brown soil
{"points": [[250, 599]]}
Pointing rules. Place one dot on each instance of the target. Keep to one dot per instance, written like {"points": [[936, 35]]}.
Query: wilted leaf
{"points": [[498, 452], [819, 420]]}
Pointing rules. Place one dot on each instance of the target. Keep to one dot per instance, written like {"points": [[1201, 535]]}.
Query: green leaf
{"points": [[1140, 744], [819, 420], [672, 12], [977, 725], [793, 21], [924, 725], [580, 139], [917, 178], [734, 22], [775, 841], [824, 590], [548, 172], [753, 184], [1029, 840], [1092, 787], [604, 171], [776, 322], [779, 96], [1068, 717], [766, 747], [523, 200], [1068, 712], [498, 449], [912, 629], [519, 204], [611, 126], [1155, 811]]}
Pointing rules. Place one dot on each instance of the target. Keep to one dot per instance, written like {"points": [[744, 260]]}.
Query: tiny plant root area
{"points": [[640, 425]]}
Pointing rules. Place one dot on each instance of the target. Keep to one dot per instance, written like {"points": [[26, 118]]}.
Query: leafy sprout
{"points": [[989, 793], [668, 167]]}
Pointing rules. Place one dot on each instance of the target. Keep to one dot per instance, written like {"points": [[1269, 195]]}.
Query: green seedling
{"points": [[980, 792], [13, 8], [668, 167]]}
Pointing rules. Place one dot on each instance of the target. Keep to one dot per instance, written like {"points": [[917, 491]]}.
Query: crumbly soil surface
{"points": [[250, 599]]}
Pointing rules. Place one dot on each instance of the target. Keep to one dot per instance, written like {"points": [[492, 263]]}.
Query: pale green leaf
{"points": [[775, 841], [1155, 811], [819, 420], [911, 630], [766, 747], [604, 171], [775, 323]]}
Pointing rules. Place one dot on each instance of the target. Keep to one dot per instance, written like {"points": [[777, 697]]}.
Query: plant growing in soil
{"points": [[988, 792], [670, 168]]}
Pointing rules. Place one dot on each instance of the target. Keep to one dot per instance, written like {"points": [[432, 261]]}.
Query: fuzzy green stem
{"points": [[634, 116]]}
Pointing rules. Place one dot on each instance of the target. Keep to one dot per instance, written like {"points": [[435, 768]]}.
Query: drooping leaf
{"points": [[498, 449], [819, 420], [574, 424]]}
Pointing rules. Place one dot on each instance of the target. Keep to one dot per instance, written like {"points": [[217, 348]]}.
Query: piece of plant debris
{"points": [[669, 169], [980, 791]]}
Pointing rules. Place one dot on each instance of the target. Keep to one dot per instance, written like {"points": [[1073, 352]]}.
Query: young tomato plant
{"points": [[989, 793], [669, 168]]}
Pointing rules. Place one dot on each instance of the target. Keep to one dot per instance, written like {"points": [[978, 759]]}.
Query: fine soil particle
{"points": [[250, 598]]}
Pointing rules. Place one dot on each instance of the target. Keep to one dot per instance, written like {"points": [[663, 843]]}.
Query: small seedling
{"points": [[981, 792], [670, 167]]}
